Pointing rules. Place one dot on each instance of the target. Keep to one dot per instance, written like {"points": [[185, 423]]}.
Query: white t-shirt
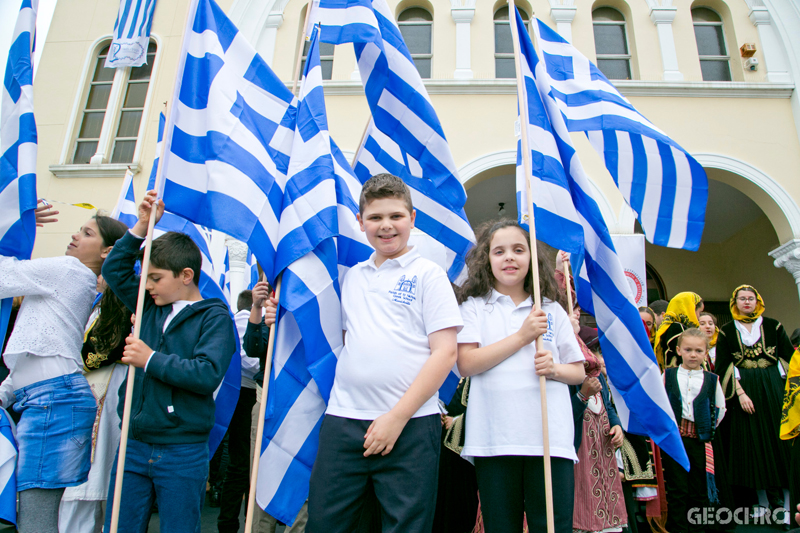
{"points": [[250, 365], [388, 313], [504, 416]]}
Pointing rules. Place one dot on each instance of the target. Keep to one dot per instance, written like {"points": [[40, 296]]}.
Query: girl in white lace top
{"points": [[46, 385]]}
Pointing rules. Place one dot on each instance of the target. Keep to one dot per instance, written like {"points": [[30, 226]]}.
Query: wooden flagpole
{"points": [[262, 410], [537, 295], [126, 413], [570, 303], [298, 56]]}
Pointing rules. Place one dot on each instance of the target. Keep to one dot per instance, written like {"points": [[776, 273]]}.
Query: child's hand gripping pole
{"points": [[151, 216], [537, 295], [262, 409]]}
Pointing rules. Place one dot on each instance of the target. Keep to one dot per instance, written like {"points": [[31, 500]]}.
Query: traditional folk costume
{"points": [[790, 427], [681, 315], [83, 507], [697, 400], [599, 502], [757, 360]]}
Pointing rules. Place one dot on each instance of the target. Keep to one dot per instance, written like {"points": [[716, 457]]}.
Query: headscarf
{"points": [[682, 309], [712, 342], [751, 317]]}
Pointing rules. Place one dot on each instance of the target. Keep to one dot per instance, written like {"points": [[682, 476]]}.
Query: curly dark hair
{"points": [[115, 319], [480, 280]]}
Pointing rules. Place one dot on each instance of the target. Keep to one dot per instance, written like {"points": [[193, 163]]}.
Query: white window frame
{"points": [[419, 23], [495, 22], [624, 24], [99, 166], [722, 59]]}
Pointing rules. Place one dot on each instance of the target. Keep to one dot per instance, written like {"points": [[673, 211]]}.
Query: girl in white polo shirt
{"points": [[497, 348]]}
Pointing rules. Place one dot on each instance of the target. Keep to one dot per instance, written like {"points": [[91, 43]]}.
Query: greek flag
{"points": [[18, 149], [131, 34], [568, 218], [252, 269], [225, 277], [323, 240], [666, 186], [404, 136], [126, 210], [227, 395], [8, 468]]}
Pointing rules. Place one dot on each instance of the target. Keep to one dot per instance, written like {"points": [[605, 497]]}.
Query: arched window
{"points": [[710, 36], [325, 60], [112, 113], [611, 43], [416, 25], [504, 66]]}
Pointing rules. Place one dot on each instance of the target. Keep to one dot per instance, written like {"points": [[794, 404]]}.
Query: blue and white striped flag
{"points": [[665, 186], [8, 469], [131, 34], [252, 270], [225, 277], [227, 394], [568, 218], [126, 210], [324, 240], [18, 145], [405, 137]]}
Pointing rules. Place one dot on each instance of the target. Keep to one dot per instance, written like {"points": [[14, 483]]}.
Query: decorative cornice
{"points": [[274, 20], [787, 256], [663, 15], [93, 171], [759, 15], [237, 250], [563, 14], [462, 15], [703, 89]]}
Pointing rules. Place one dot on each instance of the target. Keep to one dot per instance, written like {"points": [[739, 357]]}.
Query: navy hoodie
{"points": [[173, 401]]}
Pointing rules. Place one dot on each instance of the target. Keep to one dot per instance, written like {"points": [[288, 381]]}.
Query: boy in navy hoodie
{"points": [[185, 346]]}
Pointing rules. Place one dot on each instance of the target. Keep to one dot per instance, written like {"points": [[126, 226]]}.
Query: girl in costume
{"points": [[708, 325], [681, 314], [790, 427], [83, 507], [46, 385], [699, 405], [497, 349], [753, 352]]}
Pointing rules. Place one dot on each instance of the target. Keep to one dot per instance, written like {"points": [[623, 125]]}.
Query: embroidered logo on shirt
{"points": [[550, 335], [405, 291]]}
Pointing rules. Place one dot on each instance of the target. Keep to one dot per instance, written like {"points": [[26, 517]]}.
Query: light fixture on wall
{"points": [[502, 211]]}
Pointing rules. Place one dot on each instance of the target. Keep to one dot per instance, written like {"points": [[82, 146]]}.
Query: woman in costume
{"points": [[681, 314], [790, 427], [753, 352], [83, 507], [708, 325]]}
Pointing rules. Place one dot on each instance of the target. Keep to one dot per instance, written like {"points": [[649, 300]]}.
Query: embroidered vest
{"points": [[704, 405]]}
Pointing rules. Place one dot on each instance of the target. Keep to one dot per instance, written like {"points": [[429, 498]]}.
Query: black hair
{"points": [[659, 306], [115, 319], [111, 229], [175, 252], [245, 300], [480, 280]]}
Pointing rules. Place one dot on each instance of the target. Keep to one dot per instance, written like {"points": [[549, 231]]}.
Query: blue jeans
{"points": [[173, 474], [54, 433]]}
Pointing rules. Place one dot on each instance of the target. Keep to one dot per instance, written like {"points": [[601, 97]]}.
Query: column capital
{"points": [[237, 250], [563, 14], [759, 15], [462, 15], [663, 14], [787, 256], [274, 20]]}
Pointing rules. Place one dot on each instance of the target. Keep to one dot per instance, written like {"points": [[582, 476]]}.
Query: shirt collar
{"points": [[494, 296], [404, 260]]}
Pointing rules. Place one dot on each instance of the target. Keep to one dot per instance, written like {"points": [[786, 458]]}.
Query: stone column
{"points": [[237, 257], [787, 256], [774, 55], [462, 16], [662, 17], [563, 15], [266, 41]]}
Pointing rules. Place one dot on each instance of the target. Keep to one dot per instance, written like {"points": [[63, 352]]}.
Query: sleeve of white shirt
{"points": [[719, 399], [29, 278], [7, 396], [439, 305], [471, 332], [568, 349]]}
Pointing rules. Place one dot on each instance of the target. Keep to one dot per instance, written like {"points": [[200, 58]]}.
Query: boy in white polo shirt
{"points": [[383, 426]]}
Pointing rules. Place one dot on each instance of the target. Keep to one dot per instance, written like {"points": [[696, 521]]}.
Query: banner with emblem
{"points": [[630, 249], [131, 34]]}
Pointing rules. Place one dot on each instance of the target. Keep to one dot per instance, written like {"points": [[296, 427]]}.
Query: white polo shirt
{"points": [[388, 313], [505, 414]]}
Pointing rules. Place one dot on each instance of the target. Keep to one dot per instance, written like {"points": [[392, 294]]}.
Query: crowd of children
{"points": [[385, 435]]}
